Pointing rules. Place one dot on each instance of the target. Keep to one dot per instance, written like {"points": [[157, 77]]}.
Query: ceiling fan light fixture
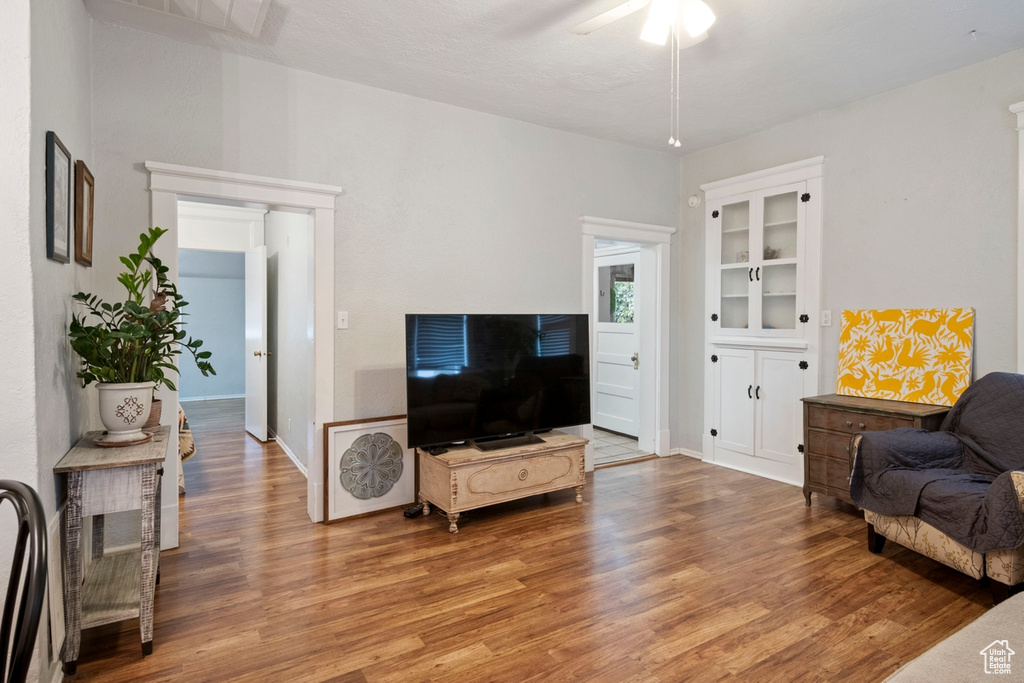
{"points": [[696, 16], [660, 20]]}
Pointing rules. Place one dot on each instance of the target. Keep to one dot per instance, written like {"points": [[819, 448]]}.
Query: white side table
{"points": [[119, 585]]}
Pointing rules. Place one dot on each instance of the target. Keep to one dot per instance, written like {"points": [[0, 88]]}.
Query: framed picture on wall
{"points": [[58, 199], [367, 467], [84, 196]]}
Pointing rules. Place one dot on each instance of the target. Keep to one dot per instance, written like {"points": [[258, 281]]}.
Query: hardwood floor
{"points": [[670, 570]]}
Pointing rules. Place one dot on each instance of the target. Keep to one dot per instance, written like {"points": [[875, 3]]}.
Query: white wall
{"points": [[44, 50], [290, 328], [216, 315], [919, 207], [444, 209], [17, 401]]}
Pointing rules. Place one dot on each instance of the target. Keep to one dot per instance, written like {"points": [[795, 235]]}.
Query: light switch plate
{"points": [[342, 320]]}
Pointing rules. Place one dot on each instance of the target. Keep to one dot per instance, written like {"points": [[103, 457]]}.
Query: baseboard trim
{"points": [[196, 399], [688, 453], [763, 475], [288, 452]]}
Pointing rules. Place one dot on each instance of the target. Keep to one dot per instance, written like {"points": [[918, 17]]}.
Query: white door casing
{"points": [[616, 377], [256, 350], [654, 242], [166, 183]]}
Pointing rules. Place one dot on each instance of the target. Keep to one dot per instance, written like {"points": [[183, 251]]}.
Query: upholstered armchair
{"points": [[955, 495]]}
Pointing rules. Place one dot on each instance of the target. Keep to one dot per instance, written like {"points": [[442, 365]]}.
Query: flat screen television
{"points": [[495, 380]]}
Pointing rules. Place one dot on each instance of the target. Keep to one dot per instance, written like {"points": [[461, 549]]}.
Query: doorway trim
{"points": [[166, 183], [655, 241]]}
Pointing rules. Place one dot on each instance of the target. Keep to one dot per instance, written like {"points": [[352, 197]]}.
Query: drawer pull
{"points": [[849, 423], [862, 425]]}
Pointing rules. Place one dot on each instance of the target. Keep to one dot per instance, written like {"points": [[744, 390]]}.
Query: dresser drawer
{"points": [[834, 444], [850, 422]]}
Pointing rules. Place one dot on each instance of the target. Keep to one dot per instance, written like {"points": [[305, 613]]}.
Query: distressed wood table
{"points": [[120, 585]]}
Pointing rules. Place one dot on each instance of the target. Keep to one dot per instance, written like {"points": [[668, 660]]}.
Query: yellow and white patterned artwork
{"points": [[920, 355]]}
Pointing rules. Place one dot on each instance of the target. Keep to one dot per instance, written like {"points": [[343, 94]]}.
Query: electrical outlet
{"points": [[826, 318]]}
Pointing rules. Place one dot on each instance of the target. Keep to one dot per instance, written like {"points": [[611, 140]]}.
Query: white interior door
{"points": [[617, 347], [256, 342]]}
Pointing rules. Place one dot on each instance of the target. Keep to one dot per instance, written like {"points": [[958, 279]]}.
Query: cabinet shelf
{"points": [[779, 294], [735, 296], [776, 224], [729, 230]]}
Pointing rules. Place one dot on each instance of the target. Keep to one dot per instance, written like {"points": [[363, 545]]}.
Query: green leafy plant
{"points": [[135, 341]]}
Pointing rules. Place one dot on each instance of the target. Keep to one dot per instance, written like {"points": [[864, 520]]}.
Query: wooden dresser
{"points": [[464, 478], [830, 421]]}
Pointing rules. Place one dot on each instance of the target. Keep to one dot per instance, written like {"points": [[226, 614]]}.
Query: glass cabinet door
{"points": [[777, 274], [735, 266]]}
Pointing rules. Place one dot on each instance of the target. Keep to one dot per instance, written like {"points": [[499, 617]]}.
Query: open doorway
{"points": [[168, 182], [634, 375], [247, 273]]}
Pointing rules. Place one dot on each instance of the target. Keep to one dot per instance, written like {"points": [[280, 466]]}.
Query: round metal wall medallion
{"points": [[371, 466]]}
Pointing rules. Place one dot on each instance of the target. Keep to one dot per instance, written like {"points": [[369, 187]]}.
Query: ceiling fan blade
{"points": [[608, 17]]}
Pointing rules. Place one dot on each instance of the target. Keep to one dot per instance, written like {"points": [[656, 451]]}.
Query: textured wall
{"points": [[17, 401], [444, 209], [61, 102], [919, 212]]}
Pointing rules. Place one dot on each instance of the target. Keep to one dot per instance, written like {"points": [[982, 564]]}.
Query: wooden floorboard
{"points": [[670, 570]]}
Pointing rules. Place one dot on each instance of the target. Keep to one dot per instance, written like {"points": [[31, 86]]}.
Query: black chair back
{"points": [[24, 604]]}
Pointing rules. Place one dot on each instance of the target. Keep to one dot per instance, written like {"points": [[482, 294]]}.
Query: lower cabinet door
{"points": [[779, 414], [734, 403]]}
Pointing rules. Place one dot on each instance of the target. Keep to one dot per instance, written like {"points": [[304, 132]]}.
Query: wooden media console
{"points": [[465, 478]]}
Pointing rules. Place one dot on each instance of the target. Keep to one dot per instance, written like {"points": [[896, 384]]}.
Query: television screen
{"points": [[472, 377]]}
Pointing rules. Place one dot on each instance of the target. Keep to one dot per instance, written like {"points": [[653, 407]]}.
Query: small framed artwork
{"points": [[367, 467], [58, 199], [84, 195]]}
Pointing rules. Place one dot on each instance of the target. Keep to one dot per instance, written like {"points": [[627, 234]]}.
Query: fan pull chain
{"points": [[673, 100], [675, 54], [672, 89]]}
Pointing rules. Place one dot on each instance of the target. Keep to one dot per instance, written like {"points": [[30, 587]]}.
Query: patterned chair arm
{"points": [[1018, 484]]}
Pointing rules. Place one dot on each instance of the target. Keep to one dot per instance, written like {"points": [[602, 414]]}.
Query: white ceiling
{"points": [[765, 62]]}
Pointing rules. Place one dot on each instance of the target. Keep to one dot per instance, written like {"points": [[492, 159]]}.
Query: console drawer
{"points": [[486, 483]]}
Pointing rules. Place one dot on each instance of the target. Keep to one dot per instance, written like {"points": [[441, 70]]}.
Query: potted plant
{"points": [[127, 347]]}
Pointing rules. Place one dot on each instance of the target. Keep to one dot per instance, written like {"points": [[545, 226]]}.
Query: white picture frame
{"points": [[368, 453]]}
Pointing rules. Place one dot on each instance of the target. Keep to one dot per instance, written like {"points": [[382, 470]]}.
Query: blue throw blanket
{"points": [[958, 478]]}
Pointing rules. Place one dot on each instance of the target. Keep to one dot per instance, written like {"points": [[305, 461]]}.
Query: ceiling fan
{"points": [[690, 18]]}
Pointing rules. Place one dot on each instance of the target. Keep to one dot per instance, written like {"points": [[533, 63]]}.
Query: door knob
{"points": [[636, 360], [257, 353], [262, 353]]}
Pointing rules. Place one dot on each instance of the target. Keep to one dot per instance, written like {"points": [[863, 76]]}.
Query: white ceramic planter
{"points": [[124, 409]]}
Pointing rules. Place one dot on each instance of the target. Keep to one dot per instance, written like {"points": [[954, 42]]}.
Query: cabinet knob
{"points": [[849, 423], [862, 425]]}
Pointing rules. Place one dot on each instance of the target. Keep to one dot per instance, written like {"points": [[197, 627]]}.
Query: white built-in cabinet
{"points": [[763, 250]]}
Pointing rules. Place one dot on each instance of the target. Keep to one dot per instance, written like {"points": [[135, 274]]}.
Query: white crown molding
{"points": [[628, 231], [779, 175], [189, 180]]}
